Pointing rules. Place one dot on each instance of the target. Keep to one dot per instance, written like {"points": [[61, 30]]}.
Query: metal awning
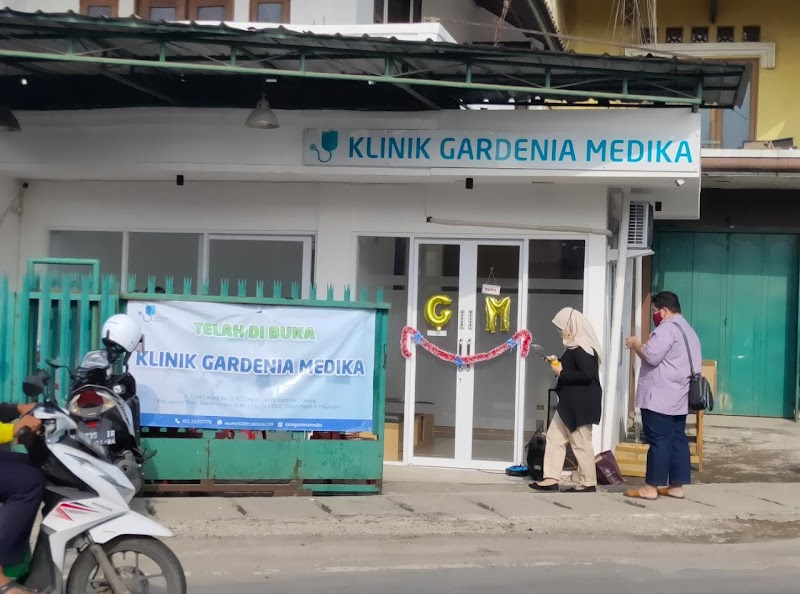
{"points": [[69, 61]]}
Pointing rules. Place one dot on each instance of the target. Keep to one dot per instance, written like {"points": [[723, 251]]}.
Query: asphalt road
{"points": [[482, 565], [564, 580]]}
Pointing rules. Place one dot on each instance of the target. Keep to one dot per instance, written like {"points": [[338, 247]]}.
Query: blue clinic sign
{"points": [[612, 150], [229, 366]]}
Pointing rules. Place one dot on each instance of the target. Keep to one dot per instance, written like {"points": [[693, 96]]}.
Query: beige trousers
{"points": [[558, 436]]}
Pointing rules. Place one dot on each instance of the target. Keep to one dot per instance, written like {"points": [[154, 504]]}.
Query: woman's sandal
{"points": [[664, 492], [637, 494]]}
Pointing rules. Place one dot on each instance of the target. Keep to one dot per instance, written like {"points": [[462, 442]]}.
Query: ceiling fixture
{"points": [[8, 123], [262, 117]]}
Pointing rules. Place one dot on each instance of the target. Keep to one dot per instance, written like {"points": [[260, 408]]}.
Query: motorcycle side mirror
{"points": [[55, 364], [33, 386]]}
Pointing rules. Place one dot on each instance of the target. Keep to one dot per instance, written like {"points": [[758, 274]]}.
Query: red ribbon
{"points": [[521, 339]]}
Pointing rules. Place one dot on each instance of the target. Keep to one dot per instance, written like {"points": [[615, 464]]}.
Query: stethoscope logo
{"points": [[148, 313], [329, 142]]}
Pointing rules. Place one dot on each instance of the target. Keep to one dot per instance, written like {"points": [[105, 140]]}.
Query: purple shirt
{"points": [[664, 375]]}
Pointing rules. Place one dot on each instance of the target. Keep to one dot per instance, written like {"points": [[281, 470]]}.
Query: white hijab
{"points": [[577, 331]]}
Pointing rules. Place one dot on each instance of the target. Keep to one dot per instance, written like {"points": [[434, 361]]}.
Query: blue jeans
{"points": [[668, 459]]}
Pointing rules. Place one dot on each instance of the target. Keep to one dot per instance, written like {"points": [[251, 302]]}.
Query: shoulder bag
{"points": [[700, 396]]}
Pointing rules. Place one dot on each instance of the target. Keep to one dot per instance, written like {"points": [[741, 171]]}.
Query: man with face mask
{"points": [[663, 397]]}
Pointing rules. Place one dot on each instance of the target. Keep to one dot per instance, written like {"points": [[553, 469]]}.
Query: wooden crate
{"points": [[632, 458], [393, 441]]}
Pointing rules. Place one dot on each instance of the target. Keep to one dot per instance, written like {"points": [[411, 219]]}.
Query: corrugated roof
{"points": [[71, 61]]}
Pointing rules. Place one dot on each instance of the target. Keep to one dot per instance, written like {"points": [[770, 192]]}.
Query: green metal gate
{"points": [[740, 293], [59, 316]]}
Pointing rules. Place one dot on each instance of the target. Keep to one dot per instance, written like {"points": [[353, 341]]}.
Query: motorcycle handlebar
{"points": [[26, 437]]}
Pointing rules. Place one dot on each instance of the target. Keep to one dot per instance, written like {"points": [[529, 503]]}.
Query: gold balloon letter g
{"points": [[438, 317]]}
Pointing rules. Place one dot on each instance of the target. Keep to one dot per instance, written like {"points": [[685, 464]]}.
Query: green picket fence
{"points": [[59, 316]]}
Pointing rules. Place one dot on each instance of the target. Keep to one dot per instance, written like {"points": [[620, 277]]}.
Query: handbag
{"points": [[700, 396], [608, 472]]}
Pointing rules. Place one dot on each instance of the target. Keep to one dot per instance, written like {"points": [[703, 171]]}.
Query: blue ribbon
{"points": [[418, 338], [459, 363], [513, 344]]}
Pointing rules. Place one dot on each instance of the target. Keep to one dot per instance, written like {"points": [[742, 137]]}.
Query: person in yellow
{"points": [[21, 492]]}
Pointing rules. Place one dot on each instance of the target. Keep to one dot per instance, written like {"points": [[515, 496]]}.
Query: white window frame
{"points": [[305, 240], [411, 7], [308, 241]]}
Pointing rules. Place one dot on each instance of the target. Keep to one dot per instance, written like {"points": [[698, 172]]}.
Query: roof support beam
{"points": [[130, 82], [225, 68]]}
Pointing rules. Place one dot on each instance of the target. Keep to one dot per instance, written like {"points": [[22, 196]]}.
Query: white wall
{"points": [[163, 206], [325, 12], [43, 5]]}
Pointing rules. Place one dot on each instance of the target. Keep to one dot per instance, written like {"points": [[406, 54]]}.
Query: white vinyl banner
{"points": [[232, 366]]}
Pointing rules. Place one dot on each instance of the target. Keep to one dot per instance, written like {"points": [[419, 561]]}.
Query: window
{"points": [[269, 12], [162, 255], [253, 259], [630, 10], [674, 35], [210, 10], [555, 280], [646, 35], [751, 33], [725, 34], [105, 246], [731, 128], [193, 255], [397, 11], [699, 34], [383, 262], [100, 8], [162, 10]]}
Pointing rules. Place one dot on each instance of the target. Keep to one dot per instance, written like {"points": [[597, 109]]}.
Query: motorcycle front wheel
{"points": [[145, 565]]}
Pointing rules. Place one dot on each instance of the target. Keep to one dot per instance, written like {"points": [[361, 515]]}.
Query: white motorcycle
{"points": [[86, 509]]}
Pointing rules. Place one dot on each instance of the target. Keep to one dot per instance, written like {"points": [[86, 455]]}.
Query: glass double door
{"points": [[466, 301]]}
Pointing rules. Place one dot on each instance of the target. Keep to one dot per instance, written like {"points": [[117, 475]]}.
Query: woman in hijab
{"points": [[579, 402]]}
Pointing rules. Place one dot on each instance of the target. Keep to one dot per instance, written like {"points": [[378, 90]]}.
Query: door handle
{"points": [[460, 344], [469, 347]]}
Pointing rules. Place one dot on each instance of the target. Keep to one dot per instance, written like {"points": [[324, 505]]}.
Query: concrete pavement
{"points": [[496, 505]]}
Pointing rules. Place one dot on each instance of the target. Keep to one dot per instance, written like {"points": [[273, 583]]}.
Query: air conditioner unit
{"points": [[640, 226]]}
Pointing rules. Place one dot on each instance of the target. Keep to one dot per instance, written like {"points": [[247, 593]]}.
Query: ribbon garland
{"points": [[521, 339]]}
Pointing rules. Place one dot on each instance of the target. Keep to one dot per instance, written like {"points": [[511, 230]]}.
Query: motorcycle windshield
{"points": [[95, 360]]}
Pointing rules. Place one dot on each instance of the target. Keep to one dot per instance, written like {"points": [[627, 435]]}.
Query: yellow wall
{"points": [[778, 113]]}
